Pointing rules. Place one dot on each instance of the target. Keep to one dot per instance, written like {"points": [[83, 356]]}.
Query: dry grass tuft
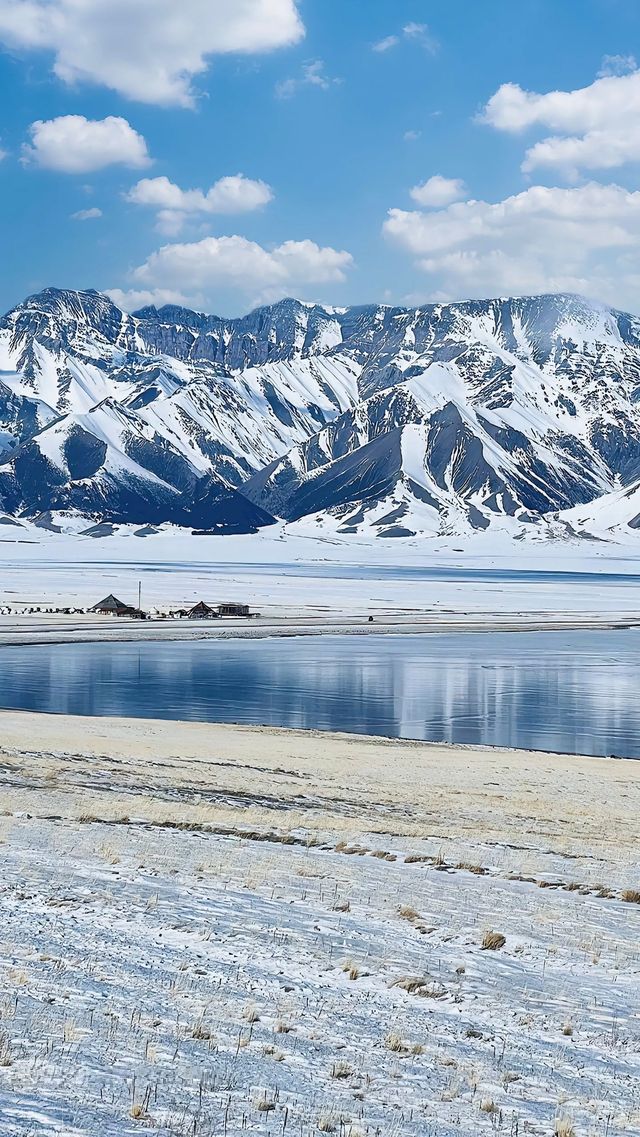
{"points": [[5, 1051], [564, 1127], [467, 866], [326, 1123], [284, 1028], [270, 1051], [630, 896], [264, 1104], [567, 1028], [410, 983], [493, 941], [201, 1032], [395, 1044], [509, 1076], [351, 970], [487, 1105], [406, 912], [351, 850], [342, 1070]]}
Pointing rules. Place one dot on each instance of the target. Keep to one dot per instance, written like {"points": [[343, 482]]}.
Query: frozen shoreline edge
{"points": [[162, 631], [69, 726]]}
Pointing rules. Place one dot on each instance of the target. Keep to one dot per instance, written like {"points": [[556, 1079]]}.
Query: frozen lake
{"points": [[567, 691]]}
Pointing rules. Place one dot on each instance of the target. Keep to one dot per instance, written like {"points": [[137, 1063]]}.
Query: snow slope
{"points": [[258, 932], [436, 420], [73, 359]]}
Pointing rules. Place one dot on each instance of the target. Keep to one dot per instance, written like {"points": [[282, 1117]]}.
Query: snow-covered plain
{"points": [[215, 979], [290, 571]]}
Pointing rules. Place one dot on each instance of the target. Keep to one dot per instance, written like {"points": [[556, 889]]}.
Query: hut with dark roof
{"points": [[233, 610], [202, 611], [111, 606]]}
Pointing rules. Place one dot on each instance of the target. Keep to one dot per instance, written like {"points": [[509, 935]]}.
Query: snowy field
{"points": [[285, 573], [276, 933]]}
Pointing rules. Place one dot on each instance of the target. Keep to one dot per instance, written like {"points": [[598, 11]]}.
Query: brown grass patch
{"points": [[493, 941], [342, 1070]]}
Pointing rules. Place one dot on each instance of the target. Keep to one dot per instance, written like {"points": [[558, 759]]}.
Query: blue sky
{"points": [[334, 111]]}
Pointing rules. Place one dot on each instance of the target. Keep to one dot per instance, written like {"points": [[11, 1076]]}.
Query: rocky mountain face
{"points": [[390, 421], [123, 416]]}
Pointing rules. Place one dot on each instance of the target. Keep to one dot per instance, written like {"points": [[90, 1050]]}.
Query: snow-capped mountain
{"points": [[96, 416], [506, 409], [392, 421]]}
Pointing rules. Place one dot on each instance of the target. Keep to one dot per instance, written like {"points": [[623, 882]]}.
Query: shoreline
{"points": [[45, 630], [69, 766], [308, 733], [39, 719]]}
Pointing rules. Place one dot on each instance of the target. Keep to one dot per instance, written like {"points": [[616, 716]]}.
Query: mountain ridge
{"points": [[391, 420]]}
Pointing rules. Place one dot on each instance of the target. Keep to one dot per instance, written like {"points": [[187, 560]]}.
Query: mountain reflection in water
{"points": [[566, 691]]}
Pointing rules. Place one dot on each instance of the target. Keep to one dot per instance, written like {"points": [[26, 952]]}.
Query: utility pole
{"points": [[139, 595]]}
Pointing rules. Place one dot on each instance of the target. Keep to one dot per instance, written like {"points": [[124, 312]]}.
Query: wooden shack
{"points": [[233, 610], [202, 611], [111, 606]]}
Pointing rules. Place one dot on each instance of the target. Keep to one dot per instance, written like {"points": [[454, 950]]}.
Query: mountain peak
{"points": [[79, 302], [389, 420], [63, 314]]}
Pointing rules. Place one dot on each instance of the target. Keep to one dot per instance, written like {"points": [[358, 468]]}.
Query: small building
{"points": [[233, 610], [111, 606], [202, 611]]}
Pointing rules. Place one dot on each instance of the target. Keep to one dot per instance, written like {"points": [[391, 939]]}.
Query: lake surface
{"points": [[328, 570], [575, 692]]}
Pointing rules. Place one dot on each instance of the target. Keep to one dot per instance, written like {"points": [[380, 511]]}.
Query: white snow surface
{"points": [[198, 408], [159, 981], [557, 370], [289, 570]]}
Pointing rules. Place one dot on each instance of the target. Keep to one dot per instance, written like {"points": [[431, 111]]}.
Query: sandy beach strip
{"points": [[322, 784]]}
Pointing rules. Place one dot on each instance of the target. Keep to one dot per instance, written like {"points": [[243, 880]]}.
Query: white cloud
{"points": [[418, 33], [438, 191], [617, 65], [131, 299], [235, 194], [87, 214], [385, 44], [412, 135], [148, 50], [313, 75], [595, 127], [74, 144], [196, 269], [582, 239], [421, 33]]}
